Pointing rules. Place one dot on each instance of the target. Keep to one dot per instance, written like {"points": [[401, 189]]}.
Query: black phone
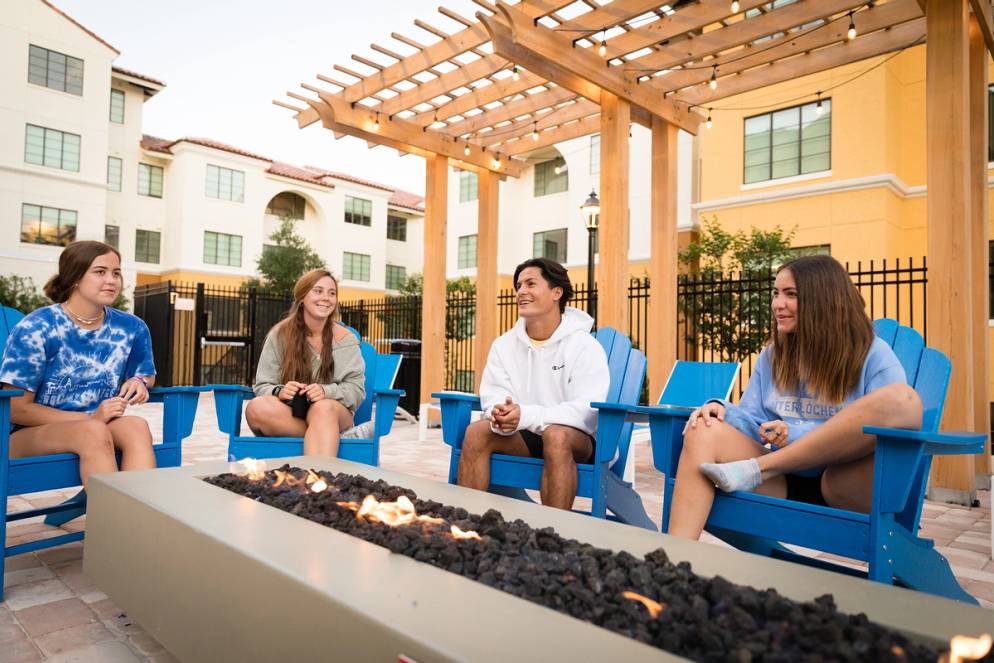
{"points": [[300, 405]]}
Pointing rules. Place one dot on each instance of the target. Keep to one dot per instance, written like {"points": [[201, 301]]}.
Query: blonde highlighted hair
{"points": [[292, 334]]}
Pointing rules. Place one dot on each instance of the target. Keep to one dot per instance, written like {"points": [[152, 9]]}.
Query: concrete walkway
{"points": [[53, 612]]}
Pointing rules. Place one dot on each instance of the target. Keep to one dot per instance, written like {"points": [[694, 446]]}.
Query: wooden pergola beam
{"points": [[982, 10], [568, 113], [584, 127], [480, 97], [581, 70], [527, 106]]}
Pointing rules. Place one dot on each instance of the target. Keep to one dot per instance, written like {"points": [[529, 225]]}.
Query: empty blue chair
{"points": [[37, 473], [887, 537], [602, 481], [380, 373]]}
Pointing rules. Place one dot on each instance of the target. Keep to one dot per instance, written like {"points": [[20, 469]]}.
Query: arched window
{"points": [[286, 205]]}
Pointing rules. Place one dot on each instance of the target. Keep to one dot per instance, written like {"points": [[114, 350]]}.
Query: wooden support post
{"points": [[433, 297], [613, 277], [663, 263], [949, 311], [486, 272], [978, 243]]}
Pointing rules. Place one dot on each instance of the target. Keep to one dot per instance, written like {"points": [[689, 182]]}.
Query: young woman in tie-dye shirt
{"points": [[80, 364]]}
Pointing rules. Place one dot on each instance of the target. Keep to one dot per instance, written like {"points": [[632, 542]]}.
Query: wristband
{"points": [[277, 389], [141, 378]]}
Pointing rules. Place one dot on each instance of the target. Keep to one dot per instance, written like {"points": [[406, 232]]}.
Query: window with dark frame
{"points": [[147, 244], [395, 277], [355, 266], [469, 186], [112, 236], [225, 184], [51, 148], [788, 142], [466, 254], [55, 70], [222, 249], [149, 180], [117, 106], [358, 211], [114, 169], [396, 227], [550, 244], [551, 177], [47, 225]]}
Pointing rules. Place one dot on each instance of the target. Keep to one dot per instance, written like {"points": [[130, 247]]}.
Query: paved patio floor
{"points": [[53, 612]]}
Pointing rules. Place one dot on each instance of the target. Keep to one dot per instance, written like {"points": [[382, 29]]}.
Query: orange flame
{"points": [[254, 469], [280, 478], [964, 648], [401, 512], [460, 534], [654, 607], [319, 486]]}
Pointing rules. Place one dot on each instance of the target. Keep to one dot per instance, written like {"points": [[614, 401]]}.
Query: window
{"points": [[395, 277], [47, 225], [469, 186], [467, 252], [222, 249], [550, 177], [147, 246], [149, 180], [286, 205], [113, 173], [358, 211], [112, 236], [396, 228], [355, 267], [550, 244], [595, 154], [787, 142], [55, 70], [117, 106], [225, 184], [52, 148]]}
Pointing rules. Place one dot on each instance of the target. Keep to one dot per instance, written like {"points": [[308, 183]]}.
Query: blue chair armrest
{"points": [[228, 406], [610, 426], [936, 443], [386, 401], [456, 410], [666, 424], [10, 393], [179, 409]]}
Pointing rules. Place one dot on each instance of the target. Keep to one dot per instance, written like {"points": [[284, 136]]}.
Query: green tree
{"points": [[285, 261], [20, 292], [460, 313], [727, 307]]}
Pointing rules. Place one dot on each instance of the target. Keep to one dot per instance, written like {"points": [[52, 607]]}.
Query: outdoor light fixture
{"points": [[376, 123], [735, 6], [496, 163], [602, 49], [465, 150], [713, 84], [852, 27], [708, 123], [591, 210], [535, 132], [818, 108], [515, 74]]}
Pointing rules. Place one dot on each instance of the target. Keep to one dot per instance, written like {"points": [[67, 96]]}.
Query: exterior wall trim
{"points": [[55, 175]]}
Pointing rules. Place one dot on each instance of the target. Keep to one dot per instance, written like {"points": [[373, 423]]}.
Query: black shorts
{"points": [[535, 448], [805, 489]]}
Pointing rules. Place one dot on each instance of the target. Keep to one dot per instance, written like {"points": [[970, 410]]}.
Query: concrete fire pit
{"points": [[216, 576]]}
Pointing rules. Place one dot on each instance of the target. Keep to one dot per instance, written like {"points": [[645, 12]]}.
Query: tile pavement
{"points": [[53, 612]]}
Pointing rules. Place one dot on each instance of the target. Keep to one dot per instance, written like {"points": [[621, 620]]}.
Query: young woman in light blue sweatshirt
{"points": [[798, 429]]}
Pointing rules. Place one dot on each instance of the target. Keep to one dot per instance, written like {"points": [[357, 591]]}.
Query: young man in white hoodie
{"points": [[539, 381]]}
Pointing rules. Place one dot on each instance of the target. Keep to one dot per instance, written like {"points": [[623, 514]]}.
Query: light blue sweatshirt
{"points": [[802, 413]]}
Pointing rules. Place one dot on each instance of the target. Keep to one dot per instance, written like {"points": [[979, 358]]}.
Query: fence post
{"points": [[199, 331]]}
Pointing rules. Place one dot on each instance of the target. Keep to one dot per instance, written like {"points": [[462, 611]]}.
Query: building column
{"points": [[949, 310], [661, 348], [978, 234], [486, 271], [433, 295], [613, 276]]}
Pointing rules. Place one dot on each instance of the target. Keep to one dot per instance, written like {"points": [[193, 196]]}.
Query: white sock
{"points": [[737, 475]]}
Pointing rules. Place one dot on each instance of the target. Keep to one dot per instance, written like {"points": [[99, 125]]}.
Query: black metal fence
{"points": [[210, 334]]}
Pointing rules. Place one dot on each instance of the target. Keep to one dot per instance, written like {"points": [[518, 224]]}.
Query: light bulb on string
{"points": [[735, 6], [708, 123], [602, 49], [496, 162], [713, 83], [535, 132], [376, 123], [818, 107], [465, 150], [852, 27], [515, 74]]}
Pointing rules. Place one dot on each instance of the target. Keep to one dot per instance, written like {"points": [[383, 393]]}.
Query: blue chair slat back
{"points": [[380, 373], [693, 383], [8, 318], [908, 346], [630, 390], [617, 347], [886, 328]]}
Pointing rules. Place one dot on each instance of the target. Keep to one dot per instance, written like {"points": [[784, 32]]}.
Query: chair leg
{"points": [[453, 466], [59, 518], [919, 566], [512, 492], [626, 504]]}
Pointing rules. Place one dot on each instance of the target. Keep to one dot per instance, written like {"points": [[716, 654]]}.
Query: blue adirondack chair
{"points": [[381, 370], [602, 481], [37, 473], [886, 538]]}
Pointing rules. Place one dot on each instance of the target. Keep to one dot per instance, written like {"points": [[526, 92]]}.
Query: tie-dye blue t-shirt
{"points": [[71, 368]]}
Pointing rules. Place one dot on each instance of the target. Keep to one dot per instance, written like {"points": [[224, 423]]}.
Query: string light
{"points": [[376, 123], [735, 6], [602, 49], [713, 83], [515, 74], [465, 150], [818, 108], [852, 27], [708, 123], [535, 132], [496, 162]]}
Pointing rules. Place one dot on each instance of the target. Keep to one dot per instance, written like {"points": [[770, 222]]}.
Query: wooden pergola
{"points": [[517, 78]]}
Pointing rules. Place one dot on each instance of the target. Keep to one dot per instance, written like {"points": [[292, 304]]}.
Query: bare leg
{"points": [[132, 436], [849, 486], [562, 447], [840, 440], [90, 439], [479, 443], [270, 417], [325, 421], [693, 493]]}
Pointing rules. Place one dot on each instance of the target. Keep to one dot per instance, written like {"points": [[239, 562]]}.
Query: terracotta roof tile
{"points": [[349, 178], [133, 74], [286, 170], [213, 144], [81, 27], [407, 199], [155, 144]]}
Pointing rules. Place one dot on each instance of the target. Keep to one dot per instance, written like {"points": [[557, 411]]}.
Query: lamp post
{"points": [[591, 211]]}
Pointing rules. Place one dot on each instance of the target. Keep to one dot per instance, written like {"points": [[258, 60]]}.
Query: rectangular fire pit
{"points": [[215, 576]]}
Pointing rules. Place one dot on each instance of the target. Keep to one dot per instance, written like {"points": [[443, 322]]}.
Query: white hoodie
{"points": [[553, 384]]}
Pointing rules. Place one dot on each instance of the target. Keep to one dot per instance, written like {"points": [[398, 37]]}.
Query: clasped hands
{"points": [[771, 432], [133, 392], [505, 416], [314, 392]]}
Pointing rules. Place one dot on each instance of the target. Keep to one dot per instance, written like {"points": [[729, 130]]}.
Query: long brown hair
{"points": [[292, 332], [74, 260], [832, 333]]}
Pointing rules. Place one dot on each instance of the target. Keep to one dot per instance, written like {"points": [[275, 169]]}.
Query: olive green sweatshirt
{"points": [[347, 380]]}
